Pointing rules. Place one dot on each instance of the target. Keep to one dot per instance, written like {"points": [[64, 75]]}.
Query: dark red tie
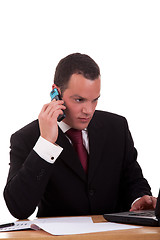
{"points": [[77, 141]]}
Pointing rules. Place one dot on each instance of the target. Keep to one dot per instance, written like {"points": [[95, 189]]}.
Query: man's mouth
{"points": [[84, 119]]}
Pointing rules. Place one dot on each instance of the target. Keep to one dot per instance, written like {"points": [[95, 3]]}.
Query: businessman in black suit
{"points": [[45, 168]]}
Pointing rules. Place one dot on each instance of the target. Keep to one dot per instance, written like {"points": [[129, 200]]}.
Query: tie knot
{"points": [[75, 135]]}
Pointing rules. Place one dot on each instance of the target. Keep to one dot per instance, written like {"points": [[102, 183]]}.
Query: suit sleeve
{"points": [[133, 183], [27, 179]]}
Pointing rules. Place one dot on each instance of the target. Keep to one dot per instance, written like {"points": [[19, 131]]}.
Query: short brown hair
{"points": [[75, 63]]}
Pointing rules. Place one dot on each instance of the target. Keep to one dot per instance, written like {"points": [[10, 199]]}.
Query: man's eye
{"points": [[79, 100]]}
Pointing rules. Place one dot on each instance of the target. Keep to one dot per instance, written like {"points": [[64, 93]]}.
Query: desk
{"points": [[144, 233]]}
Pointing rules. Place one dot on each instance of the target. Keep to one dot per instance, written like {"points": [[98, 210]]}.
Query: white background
{"points": [[123, 37]]}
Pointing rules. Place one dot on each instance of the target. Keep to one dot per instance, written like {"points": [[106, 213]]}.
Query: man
{"points": [[45, 165]]}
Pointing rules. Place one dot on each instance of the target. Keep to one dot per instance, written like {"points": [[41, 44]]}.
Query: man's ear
{"points": [[55, 86]]}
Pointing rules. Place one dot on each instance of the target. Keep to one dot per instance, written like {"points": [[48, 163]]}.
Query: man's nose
{"points": [[87, 108]]}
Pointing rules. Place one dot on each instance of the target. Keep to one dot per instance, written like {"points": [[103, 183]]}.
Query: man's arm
{"points": [[134, 184], [27, 179], [29, 172]]}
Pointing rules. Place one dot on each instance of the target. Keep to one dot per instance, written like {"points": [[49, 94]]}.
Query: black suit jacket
{"points": [[113, 182]]}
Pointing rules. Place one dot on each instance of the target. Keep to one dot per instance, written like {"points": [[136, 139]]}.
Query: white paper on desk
{"points": [[42, 222], [77, 226], [64, 220]]}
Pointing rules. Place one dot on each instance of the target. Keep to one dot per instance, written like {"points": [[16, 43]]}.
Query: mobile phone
{"points": [[54, 94]]}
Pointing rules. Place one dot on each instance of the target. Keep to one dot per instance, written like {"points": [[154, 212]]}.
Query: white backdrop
{"points": [[121, 36]]}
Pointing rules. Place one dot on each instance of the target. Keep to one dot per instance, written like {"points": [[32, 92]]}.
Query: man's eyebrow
{"points": [[97, 97], [80, 97], [77, 96]]}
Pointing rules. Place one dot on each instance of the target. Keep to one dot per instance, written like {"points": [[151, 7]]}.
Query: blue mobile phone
{"points": [[54, 94]]}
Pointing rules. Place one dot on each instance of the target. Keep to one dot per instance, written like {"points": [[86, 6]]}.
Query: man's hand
{"points": [[48, 120], [144, 203]]}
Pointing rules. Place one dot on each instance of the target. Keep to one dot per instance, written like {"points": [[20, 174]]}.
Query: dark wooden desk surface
{"points": [[146, 233]]}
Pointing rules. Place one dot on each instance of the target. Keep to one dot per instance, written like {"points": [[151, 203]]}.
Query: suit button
{"points": [[91, 192]]}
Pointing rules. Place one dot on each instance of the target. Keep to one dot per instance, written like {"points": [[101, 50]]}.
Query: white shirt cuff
{"points": [[135, 201], [47, 150]]}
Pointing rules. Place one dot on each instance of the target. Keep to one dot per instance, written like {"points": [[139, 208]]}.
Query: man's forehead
{"points": [[83, 83], [79, 86], [80, 77]]}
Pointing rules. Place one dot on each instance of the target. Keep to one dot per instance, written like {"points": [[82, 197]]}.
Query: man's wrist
{"points": [[47, 150]]}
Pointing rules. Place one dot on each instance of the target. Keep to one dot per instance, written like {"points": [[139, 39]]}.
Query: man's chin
{"points": [[82, 123], [79, 123]]}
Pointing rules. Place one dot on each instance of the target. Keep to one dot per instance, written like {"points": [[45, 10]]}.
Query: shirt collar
{"points": [[65, 127]]}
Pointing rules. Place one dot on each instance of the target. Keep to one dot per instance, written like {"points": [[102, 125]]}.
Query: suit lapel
{"points": [[69, 155], [97, 137]]}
